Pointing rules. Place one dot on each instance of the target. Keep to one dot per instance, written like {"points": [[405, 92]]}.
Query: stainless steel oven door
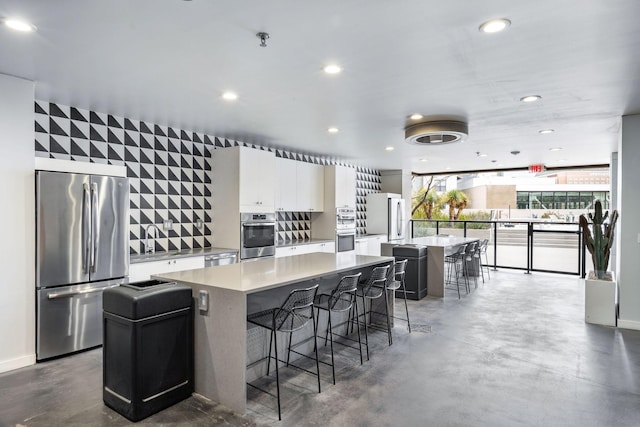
{"points": [[257, 239], [346, 241]]}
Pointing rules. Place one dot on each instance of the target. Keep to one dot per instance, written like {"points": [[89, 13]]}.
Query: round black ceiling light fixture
{"points": [[436, 132]]}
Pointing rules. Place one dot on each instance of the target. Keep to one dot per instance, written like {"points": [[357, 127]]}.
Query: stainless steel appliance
{"points": [[386, 215], [257, 235], [82, 248], [345, 229], [224, 258]]}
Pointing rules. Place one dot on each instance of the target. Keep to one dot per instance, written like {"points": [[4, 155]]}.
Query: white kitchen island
{"points": [[220, 333]]}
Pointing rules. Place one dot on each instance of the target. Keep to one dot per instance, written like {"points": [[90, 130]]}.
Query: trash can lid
{"points": [[414, 251], [136, 301]]}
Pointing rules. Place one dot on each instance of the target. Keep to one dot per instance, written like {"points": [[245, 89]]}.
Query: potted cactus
{"points": [[600, 285]]}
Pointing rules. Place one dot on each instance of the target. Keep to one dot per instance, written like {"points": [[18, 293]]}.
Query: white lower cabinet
{"points": [[144, 270], [362, 246], [374, 246], [329, 247], [370, 245]]}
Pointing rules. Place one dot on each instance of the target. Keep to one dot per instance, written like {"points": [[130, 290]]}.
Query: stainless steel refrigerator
{"points": [[82, 248], [386, 215]]}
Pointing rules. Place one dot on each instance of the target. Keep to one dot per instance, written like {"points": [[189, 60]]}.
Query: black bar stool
{"points": [[340, 300], [374, 288], [455, 267], [294, 314], [397, 283]]}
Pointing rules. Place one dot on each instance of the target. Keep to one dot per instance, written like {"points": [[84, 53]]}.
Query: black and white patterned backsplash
{"points": [[169, 171]]}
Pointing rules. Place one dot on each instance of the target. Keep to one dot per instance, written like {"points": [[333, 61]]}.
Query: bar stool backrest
{"points": [[377, 274], [344, 294], [296, 311], [459, 253], [400, 267], [471, 249]]}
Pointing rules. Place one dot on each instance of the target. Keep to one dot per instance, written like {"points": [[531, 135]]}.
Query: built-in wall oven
{"points": [[257, 235], [345, 229]]}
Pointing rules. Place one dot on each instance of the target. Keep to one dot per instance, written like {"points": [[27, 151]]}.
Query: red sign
{"points": [[536, 168]]}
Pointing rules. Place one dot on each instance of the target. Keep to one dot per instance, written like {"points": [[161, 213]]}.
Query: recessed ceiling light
{"points": [[389, 148], [423, 160], [481, 154], [555, 148], [500, 164], [545, 131], [530, 98], [416, 116], [495, 25], [19, 25], [332, 69], [230, 96], [333, 130], [562, 160]]}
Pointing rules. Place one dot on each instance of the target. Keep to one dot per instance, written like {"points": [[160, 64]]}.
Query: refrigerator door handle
{"points": [[86, 228], [94, 225], [399, 219], [74, 293]]}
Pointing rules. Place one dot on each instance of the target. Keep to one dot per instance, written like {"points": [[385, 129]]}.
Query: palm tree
{"points": [[457, 201], [431, 200]]}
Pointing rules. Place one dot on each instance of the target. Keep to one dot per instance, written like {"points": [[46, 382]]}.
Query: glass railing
{"points": [[526, 245]]}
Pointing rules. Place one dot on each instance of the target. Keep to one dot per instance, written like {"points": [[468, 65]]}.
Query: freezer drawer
{"points": [[69, 318]]}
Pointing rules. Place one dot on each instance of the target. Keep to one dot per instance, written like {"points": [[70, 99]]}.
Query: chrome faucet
{"points": [[150, 249]]}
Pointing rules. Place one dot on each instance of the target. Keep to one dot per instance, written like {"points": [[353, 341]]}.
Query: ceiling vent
{"points": [[436, 132]]}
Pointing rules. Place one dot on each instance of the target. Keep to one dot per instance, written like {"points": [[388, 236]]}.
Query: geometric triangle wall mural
{"points": [[169, 159]]}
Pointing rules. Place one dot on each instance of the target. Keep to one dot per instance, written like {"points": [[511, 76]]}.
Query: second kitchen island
{"points": [[438, 247], [233, 291]]}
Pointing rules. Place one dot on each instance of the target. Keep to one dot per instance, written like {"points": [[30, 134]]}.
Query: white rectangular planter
{"points": [[600, 302]]}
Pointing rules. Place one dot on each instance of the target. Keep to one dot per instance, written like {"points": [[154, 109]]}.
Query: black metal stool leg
{"points": [[275, 342], [386, 310], [330, 330], [406, 307], [315, 346]]}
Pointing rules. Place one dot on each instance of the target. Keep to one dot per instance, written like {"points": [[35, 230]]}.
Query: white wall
{"points": [[629, 226], [17, 256]]}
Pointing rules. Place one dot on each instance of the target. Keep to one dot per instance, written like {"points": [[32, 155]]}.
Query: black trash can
{"points": [[147, 347], [415, 276]]}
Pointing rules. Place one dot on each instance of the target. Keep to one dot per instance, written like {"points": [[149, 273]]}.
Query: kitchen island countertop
{"points": [[266, 273]]}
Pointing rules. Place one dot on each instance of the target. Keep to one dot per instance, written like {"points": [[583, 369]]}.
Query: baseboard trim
{"points": [[629, 324], [18, 362]]}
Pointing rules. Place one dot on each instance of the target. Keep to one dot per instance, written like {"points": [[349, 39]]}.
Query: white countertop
{"points": [[184, 253], [266, 273], [439, 241]]}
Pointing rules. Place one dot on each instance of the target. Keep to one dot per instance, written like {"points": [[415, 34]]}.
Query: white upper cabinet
{"points": [[286, 187], [310, 180], [243, 180], [299, 186], [345, 187]]}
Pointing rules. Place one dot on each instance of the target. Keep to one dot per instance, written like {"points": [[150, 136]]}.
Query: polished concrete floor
{"points": [[514, 352]]}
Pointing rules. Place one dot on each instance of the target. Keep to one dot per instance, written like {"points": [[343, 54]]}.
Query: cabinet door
{"points": [[329, 247], [362, 247], [316, 188], [310, 191], [374, 245], [303, 178], [345, 187], [257, 180], [144, 270], [286, 185]]}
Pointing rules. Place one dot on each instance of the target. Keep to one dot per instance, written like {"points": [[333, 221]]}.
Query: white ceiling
{"points": [[168, 61]]}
